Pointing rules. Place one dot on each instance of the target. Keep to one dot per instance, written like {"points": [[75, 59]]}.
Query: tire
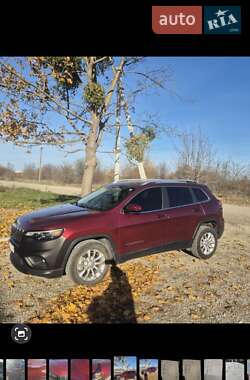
{"points": [[85, 257], [205, 243]]}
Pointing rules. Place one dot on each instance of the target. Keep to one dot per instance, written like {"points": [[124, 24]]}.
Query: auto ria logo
{"points": [[177, 19], [188, 19], [222, 20]]}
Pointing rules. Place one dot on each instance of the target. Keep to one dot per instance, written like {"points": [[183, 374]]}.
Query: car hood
{"points": [[53, 216]]}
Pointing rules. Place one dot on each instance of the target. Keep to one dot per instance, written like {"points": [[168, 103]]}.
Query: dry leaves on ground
{"points": [[7, 217], [112, 301]]}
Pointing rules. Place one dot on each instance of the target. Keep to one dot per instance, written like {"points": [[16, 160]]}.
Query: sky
{"points": [[210, 93], [153, 362], [130, 361]]}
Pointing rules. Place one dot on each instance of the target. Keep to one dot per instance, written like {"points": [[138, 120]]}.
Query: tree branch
{"points": [[99, 60], [45, 94], [117, 75], [154, 81], [47, 143]]}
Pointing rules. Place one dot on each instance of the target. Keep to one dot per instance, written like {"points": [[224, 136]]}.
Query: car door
{"points": [[182, 214], [142, 230]]}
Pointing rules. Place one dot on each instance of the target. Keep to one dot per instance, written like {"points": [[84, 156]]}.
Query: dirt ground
{"points": [[185, 289]]}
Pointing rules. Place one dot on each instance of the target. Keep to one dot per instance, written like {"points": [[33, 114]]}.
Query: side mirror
{"points": [[133, 207]]}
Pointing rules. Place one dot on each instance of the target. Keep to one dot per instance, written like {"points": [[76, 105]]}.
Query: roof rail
{"points": [[131, 179], [186, 180], [147, 180]]}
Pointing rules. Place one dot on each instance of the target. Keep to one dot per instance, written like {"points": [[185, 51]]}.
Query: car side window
{"points": [[179, 196], [200, 196], [149, 199]]}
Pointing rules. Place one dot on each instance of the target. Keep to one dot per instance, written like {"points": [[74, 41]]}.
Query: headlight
{"points": [[45, 235]]}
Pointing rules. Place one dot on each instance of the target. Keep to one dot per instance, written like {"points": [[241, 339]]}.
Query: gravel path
{"points": [[211, 291], [21, 295], [187, 290]]}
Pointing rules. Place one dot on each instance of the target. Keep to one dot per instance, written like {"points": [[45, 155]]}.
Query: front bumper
{"points": [[20, 264], [46, 259]]}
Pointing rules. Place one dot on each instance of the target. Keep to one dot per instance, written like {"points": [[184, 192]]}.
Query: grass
{"points": [[20, 198]]}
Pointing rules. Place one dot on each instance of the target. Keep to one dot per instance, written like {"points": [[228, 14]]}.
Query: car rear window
{"points": [[179, 196], [149, 199], [200, 196]]}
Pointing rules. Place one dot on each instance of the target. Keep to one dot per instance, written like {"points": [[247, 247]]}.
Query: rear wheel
{"points": [[205, 243], [87, 264]]}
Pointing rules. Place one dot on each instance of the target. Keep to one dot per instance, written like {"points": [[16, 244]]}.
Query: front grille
{"points": [[17, 232]]}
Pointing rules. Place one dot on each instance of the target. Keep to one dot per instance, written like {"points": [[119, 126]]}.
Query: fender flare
{"points": [[205, 221], [105, 239]]}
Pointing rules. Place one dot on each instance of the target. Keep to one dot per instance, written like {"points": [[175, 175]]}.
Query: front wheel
{"points": [[205, 243], [87, 264]]}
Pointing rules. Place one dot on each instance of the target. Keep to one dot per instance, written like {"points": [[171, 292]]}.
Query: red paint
{"points": [[128, 375], [79, 369], [37, 369], [58, 367], [177, 19]]}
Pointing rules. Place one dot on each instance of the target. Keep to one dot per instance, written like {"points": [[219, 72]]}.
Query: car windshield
{"points": [[105, 198]]}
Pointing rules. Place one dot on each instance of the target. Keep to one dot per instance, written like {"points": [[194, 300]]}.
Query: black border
{"points": [[116, 28], [95, 29], [164, 340]]}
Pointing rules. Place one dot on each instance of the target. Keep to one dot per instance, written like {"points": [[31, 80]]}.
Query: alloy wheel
{"points": [[207, 243], [91, 265]]}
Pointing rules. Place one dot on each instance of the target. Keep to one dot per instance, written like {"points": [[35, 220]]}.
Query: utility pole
{"points": [[117, 150], [40, 165]]}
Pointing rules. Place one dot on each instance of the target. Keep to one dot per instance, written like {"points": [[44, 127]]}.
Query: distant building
{"points": [[18, 173]]}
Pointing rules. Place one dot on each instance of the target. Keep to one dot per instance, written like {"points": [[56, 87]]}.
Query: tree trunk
{"points": [[94, 133], [141, 170], [90, 156], [117, 135], [117, 155], [140, 165]]}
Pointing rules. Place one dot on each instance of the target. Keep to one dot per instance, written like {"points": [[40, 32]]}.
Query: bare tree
{"points": [[121, 361], [195, 155], [237, 170]]}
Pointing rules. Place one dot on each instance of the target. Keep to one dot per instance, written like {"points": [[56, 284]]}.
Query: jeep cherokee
{"points": [[117, 222]]}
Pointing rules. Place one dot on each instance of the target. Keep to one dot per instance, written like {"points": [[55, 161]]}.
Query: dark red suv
{"points": [[117, 222]]}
